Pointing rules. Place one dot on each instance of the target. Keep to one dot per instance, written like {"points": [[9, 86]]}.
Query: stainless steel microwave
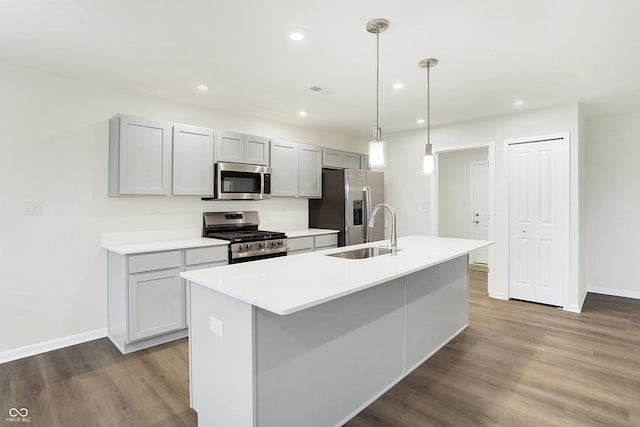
{"points": [[237, 181]]}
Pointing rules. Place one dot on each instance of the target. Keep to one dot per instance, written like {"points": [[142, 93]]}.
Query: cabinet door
{"points": [[364, 162], [144, 156], [156, 303], [256, 150], [192, 161], [309, 171], [331, 158], [298, 245], [351, 160], [326, 241], [230, 147], [284, 169]]}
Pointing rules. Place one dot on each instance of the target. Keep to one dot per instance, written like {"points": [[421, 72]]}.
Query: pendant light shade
{"points": [[377, 150], [377, 147], [428, 160]]}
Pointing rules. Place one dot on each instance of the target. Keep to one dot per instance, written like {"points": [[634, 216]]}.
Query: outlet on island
{"points": [[216, 326]]}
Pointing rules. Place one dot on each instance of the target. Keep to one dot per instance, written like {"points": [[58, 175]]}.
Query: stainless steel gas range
{"points": [[246, 242]]}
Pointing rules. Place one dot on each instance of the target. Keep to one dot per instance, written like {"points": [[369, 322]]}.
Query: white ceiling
{"points": [[491, 52]]}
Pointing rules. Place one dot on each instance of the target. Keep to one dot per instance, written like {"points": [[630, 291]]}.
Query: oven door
{"points": [[235, 181]]}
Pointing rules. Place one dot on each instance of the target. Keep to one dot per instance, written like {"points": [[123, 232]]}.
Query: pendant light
{"points": [[377, 147], [428, 161]]}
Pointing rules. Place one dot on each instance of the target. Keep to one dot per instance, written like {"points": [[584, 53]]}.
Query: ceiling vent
{"points": [[320, 90]]}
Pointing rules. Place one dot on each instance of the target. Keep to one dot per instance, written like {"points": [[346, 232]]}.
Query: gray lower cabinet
{"points": [[299, 245], [325, 241], [148, 299], [156, 303]]}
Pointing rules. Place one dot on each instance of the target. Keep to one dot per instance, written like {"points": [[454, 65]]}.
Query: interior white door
{"points": [[539, 221], [480, 208]]}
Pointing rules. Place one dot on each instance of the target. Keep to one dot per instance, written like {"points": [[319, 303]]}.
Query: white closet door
{"points": [[539, 221]]}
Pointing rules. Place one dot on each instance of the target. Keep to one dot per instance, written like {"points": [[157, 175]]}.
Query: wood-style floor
{"points": [[518, 364]]}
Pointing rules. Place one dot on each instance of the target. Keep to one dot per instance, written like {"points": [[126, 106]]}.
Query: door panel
{"points": [[539, 215], [355, 182], [480, 208]]}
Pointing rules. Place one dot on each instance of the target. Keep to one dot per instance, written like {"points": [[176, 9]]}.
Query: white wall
{"points": [[408, 190], [54, 149], [454, 191], [612, 219]]}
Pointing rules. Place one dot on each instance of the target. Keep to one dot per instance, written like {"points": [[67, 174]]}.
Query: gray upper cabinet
{"points": [[256, 150], [139, 156], [192, 161], [284, 169], [296, 170], [350, 160], [332, 158], [309, 171], [230, 147], [364, 162], [239, 148], [338, 159]]}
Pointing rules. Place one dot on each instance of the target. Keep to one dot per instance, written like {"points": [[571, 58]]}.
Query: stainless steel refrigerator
{"points": [[348, 197]]}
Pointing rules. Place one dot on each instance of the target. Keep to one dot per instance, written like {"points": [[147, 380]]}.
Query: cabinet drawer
{"points": [[206, 265], [206, 255], [154, 261], [326, 240], [300, 243]]}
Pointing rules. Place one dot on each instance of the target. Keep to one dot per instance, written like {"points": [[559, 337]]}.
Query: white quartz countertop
{"points": [[163, 245], [285, 285]]}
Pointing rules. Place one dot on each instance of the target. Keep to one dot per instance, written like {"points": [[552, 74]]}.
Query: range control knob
{"points": [[274, 243], [244, 246], [261, 245]]}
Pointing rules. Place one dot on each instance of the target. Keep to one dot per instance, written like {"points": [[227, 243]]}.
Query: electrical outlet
{"points": [[33, 208], [216, 326]]}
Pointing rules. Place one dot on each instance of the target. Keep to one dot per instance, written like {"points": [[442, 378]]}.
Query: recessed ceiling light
{"points": [[518, 103], [302, 113], [202, 88], [398, 85], [420, 121], [296, 36]]}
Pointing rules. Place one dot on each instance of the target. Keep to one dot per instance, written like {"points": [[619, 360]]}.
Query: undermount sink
{"points": [[362, 253]]}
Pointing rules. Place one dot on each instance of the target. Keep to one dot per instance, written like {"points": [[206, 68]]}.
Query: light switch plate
{"points": [[33, 208]]}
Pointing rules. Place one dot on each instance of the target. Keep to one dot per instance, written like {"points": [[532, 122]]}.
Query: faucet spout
{"points": [[394, 234]]}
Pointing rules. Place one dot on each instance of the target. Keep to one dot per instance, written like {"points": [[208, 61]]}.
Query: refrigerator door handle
{"points": [[367, 212]]}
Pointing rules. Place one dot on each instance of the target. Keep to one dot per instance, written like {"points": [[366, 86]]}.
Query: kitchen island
{"points": [[313, 339]]}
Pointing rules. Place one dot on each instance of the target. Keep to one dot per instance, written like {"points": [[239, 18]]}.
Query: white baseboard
{"points": [[573, 308], [615, 292], [43, 347]]}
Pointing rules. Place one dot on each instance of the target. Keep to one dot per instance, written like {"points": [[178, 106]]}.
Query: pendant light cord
{"points": [[377, 79], [428, 105]]}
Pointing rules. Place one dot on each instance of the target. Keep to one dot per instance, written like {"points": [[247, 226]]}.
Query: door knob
{"points": [[476, 221]]}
